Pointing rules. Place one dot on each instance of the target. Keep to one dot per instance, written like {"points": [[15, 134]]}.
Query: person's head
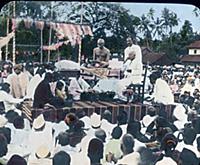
{"points": [[7, 133], [61, 158], [3, 145], [169, 143], [146, 155], [129, 41], [154, 76], [17, 160], [11, 115], [79, 125], [100, 43], [5, 87], [189, 135], [59, 85], [19, 122], [127, 144], [40, 71], [116, 132], [122, 117], [63, 138], [107, 116], [188, 157], [100, 134], [48, 77], [70, 119], [133, 128], [95, 150], [18, 68]]}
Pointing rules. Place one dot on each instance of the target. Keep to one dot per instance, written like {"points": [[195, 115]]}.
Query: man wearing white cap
{"points": [[41, 134]]}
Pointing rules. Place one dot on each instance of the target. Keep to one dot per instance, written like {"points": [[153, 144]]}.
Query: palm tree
{"points": [[145, 27]]}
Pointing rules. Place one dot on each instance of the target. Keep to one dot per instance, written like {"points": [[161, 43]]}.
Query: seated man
{"points": [[101, 54], [8, 100]]}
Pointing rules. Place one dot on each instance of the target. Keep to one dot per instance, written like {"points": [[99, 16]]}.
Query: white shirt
{"points": [[136, 48], [130, 159], [67, 65], [8, 100], [32, 85], [162, 92]]}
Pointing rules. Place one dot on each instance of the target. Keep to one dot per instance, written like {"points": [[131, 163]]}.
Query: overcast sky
{"points": [[183, 11]]}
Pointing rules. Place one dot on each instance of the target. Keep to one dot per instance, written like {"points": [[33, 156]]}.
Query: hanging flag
{"points": [[53, 47], [14, 24], [28, 23], [39, 25], [78, 29], [87, 30]]}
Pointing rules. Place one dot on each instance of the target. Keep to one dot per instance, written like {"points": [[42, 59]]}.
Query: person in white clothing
{"points": [[132, 47], [8, 100]]}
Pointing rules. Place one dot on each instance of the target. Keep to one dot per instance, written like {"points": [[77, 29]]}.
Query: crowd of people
{"points": [[94, 140]]}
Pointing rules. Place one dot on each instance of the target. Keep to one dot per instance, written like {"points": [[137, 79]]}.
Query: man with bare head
{"points": [[101, 54]]}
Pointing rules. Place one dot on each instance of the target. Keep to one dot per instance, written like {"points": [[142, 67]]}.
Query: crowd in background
{"points": [[92, 140]]}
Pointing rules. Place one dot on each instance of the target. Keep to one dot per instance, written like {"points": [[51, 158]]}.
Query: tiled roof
{"points": [[195, 44], [191, 58]]}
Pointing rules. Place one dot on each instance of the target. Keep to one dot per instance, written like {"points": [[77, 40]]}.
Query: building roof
{"points": [[191, 58], [195, 44], [156, 59]]}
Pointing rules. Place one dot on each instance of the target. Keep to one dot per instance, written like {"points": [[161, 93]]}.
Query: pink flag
{"points": [[28, 23], [87, 30], [39, 25], [14, 24]]}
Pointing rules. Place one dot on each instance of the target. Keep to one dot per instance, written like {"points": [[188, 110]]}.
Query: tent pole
{"points": [[80, 44], [14, 58]]}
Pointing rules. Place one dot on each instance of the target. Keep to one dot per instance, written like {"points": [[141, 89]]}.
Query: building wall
{"points": [[194, 51]]}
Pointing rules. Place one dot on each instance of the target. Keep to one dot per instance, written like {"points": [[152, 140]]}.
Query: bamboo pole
{"points": [[50, 33], [7, 31], [14, 57], [41, 37], [80, 44]]}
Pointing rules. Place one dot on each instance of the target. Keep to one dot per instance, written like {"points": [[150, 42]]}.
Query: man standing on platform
{"points": [[132, 47], [101, 54]]}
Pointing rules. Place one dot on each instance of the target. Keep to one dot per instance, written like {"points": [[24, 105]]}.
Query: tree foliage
{"points": [[110, 21]]}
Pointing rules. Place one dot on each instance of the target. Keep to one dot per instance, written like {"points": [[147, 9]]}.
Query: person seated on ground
{"points": [[3, 149], [168, 145], [134, 129], [19, 134], [16, 160], [41, 134], [100, 134], [61, 158], [6, 131], [63, 144], [129, 155], [77, 86], [147, 157], [95, 151], [189, 136], [161, 85], [162, 126], [122, 119], [112, 148], [63, 98], [188, 157], [43, 94], [8, 100], [106, 123], [187, 99], [101, 54], [70, 120]]}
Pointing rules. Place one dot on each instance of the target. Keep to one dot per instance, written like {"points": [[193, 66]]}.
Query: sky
{"points": [[183, 11]]}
